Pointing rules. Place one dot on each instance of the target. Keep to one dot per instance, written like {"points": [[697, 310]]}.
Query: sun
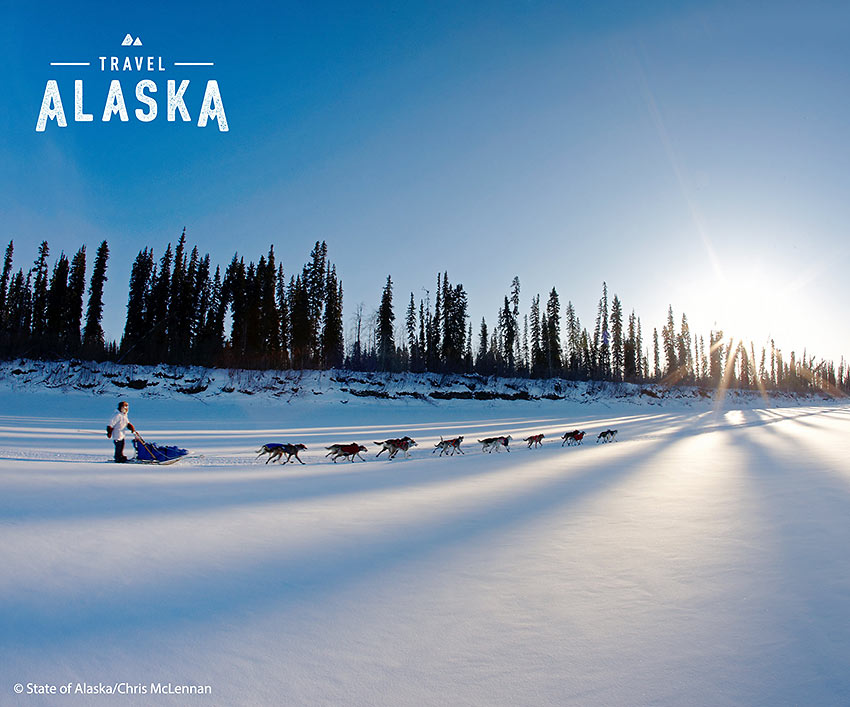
{"points": [[748, 304]]}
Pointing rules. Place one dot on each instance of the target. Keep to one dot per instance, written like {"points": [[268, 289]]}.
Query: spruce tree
{"points": [[642, 369], [656, 371], [19, 308], [76, 292], [668, 335], [538, 357], [630, 351], [251, 342], [410, 326], [772, 364], [616, 339], [212, 337], [715, 357], [573, 354], [524, 363], [314, 280], [601, 337], [235, 287], [269, 314], [508, 326], [684, 353], [743, 366], [283, 313], [454, 309], [39, 295], [422, 337], [385, 329], [436, 323], [513, 344], [56, 311], [136, 325], [179, 312], [482, 355], [202, 290], [300, 324], [333, 345], [553, 334], [158, 311], [93, 340], [448, 336], [587, 356], [4, 284]]}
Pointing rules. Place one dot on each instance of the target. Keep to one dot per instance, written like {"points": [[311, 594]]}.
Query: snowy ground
{"points": [[701, 559]]}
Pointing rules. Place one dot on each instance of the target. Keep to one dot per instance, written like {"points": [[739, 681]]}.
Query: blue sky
{"points": [[693, 154]]}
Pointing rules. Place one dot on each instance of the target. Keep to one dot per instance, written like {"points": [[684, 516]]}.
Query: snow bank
{"points": [[170, 382]]}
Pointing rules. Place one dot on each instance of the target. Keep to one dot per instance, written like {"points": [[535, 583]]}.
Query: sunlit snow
{"points": [[700, 559]]}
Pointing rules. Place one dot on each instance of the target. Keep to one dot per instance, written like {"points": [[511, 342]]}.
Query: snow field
{"points": [[699, 560]]}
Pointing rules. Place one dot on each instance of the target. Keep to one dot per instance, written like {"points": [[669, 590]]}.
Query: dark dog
{"points": [[534, 440], [444, 445], [276, 451], [571, 438], [491, 443], [345, 451], [607, 436]]}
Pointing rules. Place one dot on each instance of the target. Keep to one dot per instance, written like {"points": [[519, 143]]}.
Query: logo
{"points": [[145, 92]]}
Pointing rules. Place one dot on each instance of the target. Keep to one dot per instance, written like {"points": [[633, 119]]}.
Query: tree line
{"points": [[180, 311]]}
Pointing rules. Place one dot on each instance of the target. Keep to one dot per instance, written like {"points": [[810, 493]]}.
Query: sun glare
{"points": [[748, 305], [746, 308]]}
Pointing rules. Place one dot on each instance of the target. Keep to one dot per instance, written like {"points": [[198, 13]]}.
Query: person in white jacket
{"points": [[115, 429]]}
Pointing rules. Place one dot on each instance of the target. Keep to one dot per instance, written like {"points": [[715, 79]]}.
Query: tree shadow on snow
{"points": [[277, 581]]}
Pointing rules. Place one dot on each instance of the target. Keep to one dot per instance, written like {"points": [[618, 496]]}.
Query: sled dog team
{"points": [[276, 451]]}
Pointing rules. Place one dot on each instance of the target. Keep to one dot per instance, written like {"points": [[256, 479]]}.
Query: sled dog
{"points": [[348, 451], [394, 446], [571, 438], [607, 436], [276, 451], [491, 443], [453, 444], [534, 440]]}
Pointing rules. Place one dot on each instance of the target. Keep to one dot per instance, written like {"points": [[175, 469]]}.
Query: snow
{"points": [[700, 559]]}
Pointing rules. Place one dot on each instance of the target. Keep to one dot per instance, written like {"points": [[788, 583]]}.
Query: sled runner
{"points": [[150, 453]]}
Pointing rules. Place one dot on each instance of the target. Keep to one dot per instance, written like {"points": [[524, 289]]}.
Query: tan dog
{"points": [[534, 440]]}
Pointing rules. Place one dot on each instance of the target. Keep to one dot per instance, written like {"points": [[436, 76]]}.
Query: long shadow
{"points": [[280, 582], [812, 524], [104, 499], [177, 491], [757, 421]]}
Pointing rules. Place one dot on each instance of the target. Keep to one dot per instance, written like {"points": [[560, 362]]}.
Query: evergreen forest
{"points": [[184, 310]]}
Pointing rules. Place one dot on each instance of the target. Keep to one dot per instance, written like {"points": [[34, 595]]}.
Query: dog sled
{"points": [[151, 453]]}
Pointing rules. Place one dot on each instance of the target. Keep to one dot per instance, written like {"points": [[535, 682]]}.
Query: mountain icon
{"points": [[128, 40]]}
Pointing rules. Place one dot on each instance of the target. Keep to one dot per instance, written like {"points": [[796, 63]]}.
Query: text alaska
{"points": [[145, 93]]}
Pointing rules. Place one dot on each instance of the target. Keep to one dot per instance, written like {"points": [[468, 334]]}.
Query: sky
{"points": [[688, 154]]}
